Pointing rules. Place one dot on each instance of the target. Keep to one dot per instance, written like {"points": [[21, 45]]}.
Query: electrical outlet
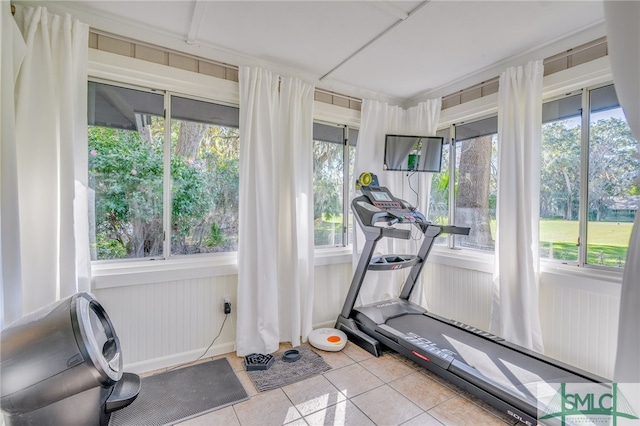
{"points": [[226, 305]]}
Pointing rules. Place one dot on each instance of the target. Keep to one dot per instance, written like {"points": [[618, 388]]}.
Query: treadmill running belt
{"points": [[501, 364]]}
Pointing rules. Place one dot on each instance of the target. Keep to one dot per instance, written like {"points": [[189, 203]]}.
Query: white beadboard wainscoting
{"points": [[578, 310], [579, 318], [166, 321]]}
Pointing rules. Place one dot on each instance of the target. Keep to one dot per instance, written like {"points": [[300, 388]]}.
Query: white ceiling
{"points": [[394, 50]]}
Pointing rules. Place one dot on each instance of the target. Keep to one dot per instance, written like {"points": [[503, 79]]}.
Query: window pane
{"points": [[328, 168], [352, 191], [613, 165], [560, 179], [475, 129], [351, 152], [327, 133], [439, 200], [475, 201], [125, 135], [204, 176]]}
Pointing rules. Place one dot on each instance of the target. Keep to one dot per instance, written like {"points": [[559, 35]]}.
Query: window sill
{"points": [[333, 255], [138, 272], [593, 279], [121, 274], [476, 260]]}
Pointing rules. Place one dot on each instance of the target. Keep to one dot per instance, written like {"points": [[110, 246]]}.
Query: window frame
{"points": [[166, 174], [584, 178], [583, 194], [144, 89], [485, 108], [452, 142], [111, 68], [346, 199], [575, 92]]}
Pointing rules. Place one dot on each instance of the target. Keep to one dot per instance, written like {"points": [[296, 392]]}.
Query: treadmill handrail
{"points": [[367, 215], [373, 329]]}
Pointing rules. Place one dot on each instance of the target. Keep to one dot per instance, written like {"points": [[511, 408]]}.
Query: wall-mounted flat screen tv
{"points": [[413, 153]]}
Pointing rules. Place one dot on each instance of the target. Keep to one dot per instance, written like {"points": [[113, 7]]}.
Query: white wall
{"points": [[578, 309], [167, 312], [163, 323]]}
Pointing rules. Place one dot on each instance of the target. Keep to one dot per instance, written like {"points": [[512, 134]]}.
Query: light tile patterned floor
{"points": [[359, 390]]}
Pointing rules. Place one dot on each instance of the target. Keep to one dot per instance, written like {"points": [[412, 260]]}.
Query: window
{"points": [[205, 174], [613, 193], [440, 191], [587, 191], [333, 160], [126, 170], [476, 147], [159, 189], [560, 178]]}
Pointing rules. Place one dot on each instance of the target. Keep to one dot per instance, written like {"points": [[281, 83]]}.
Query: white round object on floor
{"points": [[328, 339]]}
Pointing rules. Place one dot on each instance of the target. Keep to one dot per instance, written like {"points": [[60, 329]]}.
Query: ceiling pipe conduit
{"points": [[376, 38], [196, 20]]}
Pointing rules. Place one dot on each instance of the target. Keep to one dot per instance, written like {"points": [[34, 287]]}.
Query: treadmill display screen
{"points": [[380, 196]]}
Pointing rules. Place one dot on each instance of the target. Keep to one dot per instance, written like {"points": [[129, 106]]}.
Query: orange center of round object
{"points": [[333, 339]]}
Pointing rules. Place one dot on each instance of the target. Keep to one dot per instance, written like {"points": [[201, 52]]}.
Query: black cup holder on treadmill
{"points": [[392, 262]]}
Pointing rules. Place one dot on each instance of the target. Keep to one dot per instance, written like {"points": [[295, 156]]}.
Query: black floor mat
{"points": [[177, 395]]}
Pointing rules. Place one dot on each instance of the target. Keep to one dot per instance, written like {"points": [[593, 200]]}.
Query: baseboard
{"points": [[327, 324], [179, 358], [183, 357]]}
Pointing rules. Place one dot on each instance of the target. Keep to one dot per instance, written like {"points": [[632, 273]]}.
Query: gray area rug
{"points": [[183, 393], [283, 373]]}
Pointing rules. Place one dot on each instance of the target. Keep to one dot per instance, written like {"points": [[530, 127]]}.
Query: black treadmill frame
{"points": [[374, 335]]}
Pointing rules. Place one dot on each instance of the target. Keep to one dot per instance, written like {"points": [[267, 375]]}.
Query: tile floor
{"points": [[360, 389]]}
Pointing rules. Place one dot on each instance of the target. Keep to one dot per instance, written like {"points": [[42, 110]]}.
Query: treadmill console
{"points": [[392, 209], [382, 198]]}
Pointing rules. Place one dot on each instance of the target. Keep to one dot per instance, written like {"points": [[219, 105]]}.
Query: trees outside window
{"points": [[560, 179], [613, 196], [333, 161], [128, 156], [589, 188], [328, 194], [476, 180], [439, 198], [589, 226]]}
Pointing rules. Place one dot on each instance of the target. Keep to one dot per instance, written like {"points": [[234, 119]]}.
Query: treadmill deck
{"points": [[475, 356]]}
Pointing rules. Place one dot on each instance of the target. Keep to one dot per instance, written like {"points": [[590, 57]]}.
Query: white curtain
{"points": [[514, 313], [275, 248], [13, 50], [623, 37], [295, 236], [48, 160], [379, 119]]}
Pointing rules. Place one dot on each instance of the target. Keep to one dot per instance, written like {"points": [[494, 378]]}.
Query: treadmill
{"points": [[513, 379]]}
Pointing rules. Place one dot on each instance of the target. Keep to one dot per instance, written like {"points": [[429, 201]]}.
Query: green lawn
{"points": [[606, 233], [608, 241]]}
